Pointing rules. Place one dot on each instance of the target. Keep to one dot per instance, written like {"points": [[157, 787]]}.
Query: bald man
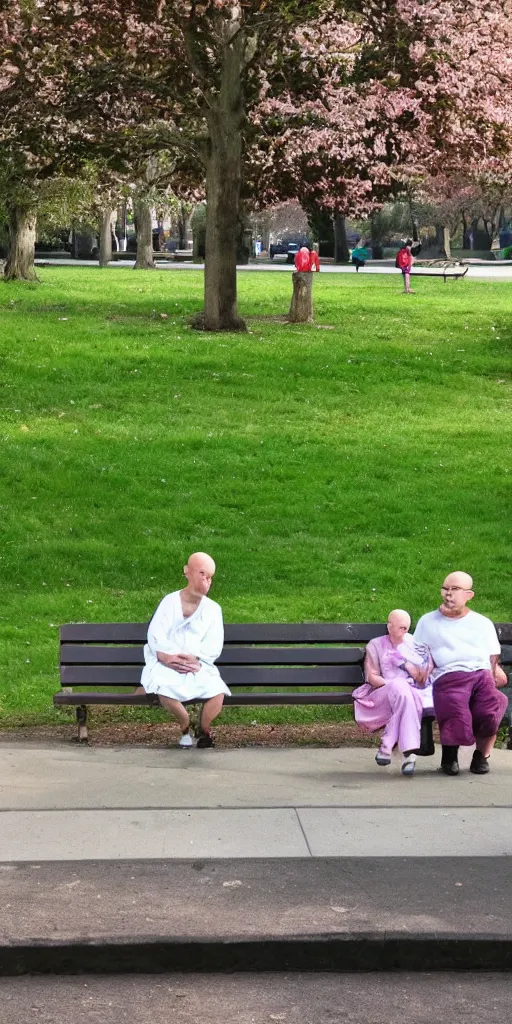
{"points": [[185, 638], [465, 650]]}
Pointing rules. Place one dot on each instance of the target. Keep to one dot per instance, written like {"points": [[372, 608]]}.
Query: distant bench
{"points": [[257, 655], [179, 255], [440, 268]]}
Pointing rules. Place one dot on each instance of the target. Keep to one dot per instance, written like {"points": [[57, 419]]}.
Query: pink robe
{"points": [[398, 705]]}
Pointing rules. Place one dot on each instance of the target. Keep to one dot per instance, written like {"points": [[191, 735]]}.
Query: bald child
{"points": [[185, 638], [465, 650]]}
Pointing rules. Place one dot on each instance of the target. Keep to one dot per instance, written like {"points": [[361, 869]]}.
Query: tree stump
{"points": [[301, 309]]}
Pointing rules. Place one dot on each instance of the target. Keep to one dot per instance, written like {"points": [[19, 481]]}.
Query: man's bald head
{"points": [[459, 579], [399, 623], [456, 591], [201, 559], [199, 570]]}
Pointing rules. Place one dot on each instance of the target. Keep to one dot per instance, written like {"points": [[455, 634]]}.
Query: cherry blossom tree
{"points": [[413, 90], [334, 102]]}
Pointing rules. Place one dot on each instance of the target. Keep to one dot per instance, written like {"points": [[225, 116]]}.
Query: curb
{"points": [[348, 953]]}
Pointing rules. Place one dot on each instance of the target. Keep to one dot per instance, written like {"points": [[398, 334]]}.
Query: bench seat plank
{"points": [[236, 699]]}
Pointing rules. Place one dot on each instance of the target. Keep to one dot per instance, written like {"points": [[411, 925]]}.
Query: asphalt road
{"points": [[259, 999]]}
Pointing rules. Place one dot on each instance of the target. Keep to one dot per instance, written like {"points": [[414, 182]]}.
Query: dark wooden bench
{"points": [[180, 255], [259, 655]]}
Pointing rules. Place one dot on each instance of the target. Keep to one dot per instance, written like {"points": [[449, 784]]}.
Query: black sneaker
{"points": [[205, 739], [479, 763], [449, 762]]}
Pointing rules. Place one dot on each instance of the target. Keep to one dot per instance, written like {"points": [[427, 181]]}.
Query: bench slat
{"points": [[506, 655], [72, 654], [303, 633], [235, 633], [246, 633], [83, 654], [128, 675], [236, 699], [104, 633]]}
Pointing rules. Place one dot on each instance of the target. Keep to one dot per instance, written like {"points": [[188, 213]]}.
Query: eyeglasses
{"points": [[456, 590]]}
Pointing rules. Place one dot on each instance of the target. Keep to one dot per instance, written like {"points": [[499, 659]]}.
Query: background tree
{"points": [[353, 97], [411, 90]]}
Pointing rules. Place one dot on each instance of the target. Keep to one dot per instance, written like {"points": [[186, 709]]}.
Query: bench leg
{"points": [[81, 721]]}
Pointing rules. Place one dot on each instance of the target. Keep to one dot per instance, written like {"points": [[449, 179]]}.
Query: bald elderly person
{"points": [[465, 651], [395, 671], [185, 638]]}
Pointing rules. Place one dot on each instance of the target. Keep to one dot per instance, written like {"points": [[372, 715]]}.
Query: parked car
{"points": [[288, 249]]}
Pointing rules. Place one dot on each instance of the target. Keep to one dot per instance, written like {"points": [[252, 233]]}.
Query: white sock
{"points": [[409, 758]]}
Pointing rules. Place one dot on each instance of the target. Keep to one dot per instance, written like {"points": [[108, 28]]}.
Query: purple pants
{"points": [[468, 706]]}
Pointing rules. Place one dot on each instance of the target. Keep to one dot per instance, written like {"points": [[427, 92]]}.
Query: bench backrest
{"points": [[254, 654]]}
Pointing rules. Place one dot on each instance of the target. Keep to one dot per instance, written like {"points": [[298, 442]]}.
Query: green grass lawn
{"points": [[332, 474]]}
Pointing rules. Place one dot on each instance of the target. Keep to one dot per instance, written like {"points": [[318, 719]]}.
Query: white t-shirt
{"points": [[458, 645]]}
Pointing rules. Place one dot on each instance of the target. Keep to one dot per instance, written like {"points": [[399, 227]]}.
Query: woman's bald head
{"points": [[399, 623]]}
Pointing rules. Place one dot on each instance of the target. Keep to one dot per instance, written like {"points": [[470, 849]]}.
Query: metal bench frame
{"points": [[450, 268]]}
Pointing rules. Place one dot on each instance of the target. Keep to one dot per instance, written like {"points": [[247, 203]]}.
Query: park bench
{"points": [[178, 256], [440, 268], [316, 663]]}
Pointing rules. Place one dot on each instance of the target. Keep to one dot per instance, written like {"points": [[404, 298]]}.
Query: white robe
{"points": [[201, 634]]}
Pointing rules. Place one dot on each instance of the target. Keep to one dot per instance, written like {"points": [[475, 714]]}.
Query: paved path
{"points": [[259, 999], [74, 803], [496, 271]]}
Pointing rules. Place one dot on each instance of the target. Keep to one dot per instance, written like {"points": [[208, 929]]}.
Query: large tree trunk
{"points": [[106, 236], [182, 225], [144, 229], [223, 181], [447, 248], [121, 217], [376, 239], [301, 309], [19, 265], [341, 250]]}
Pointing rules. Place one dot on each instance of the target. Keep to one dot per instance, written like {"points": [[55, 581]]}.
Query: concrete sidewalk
{"points": [[75, 803], [151, 860]]}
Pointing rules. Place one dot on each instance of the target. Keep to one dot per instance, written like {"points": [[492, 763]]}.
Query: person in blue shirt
{"points": [[360, 254]]}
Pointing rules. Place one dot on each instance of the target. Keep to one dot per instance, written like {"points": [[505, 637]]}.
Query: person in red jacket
{"points": [[306, 260], [315, 260], [404, 261]]}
